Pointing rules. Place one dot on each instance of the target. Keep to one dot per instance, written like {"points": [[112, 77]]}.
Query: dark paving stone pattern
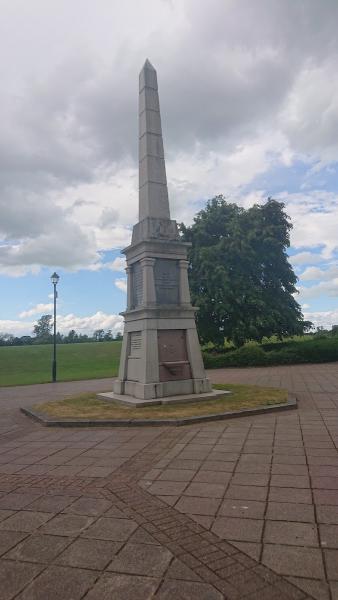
{"points": [[246, 508]]}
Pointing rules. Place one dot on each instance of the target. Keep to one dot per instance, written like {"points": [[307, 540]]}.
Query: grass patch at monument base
{"points": [[88, 406]]}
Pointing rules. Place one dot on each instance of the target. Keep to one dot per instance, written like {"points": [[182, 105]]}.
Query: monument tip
{"points": [[148, 65]]}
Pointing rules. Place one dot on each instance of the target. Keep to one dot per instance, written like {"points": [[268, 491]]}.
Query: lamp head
{"points": [[55, 278]]}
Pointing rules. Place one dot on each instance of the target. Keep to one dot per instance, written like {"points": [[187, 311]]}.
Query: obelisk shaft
{"points": [[153, 191]]}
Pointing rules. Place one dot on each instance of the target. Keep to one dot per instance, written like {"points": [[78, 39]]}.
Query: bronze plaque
{"points": [[173, 357], [166, 281]]}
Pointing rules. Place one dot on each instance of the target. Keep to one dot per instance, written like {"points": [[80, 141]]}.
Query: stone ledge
{"points": [[43, 419], [141, 402]]}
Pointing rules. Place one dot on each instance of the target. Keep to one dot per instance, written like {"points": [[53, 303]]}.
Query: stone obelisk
{"points": [[161, 356]]}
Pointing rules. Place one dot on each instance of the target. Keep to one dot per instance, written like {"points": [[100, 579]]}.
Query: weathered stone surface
{"points": [[158, 297]]}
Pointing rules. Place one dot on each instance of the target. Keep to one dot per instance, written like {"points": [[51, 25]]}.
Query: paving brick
{"points": [[218, 477], [294, 561], [248, 530], [334, 590], [327, 514], [178, 570], [14, 576], [282, 469], [255, 479], [123, 587], [246, 492], [52, 504], [4, 514], [167, 488], [244, 509], [111, 529], [88, 506], [9, 539], [58, 583], [325, 497], [290, 481], [289, 511], [316, 589], [25, 520], [198, 506], [329, 536], [177, 475], [328, 483], [89, 554], [141, 559], [216, 465], [15, 501], [252, 549], [285, 532], [69, 525], [205, 490], [38, 548], [298, 496], [187, 591], [331, 560]]}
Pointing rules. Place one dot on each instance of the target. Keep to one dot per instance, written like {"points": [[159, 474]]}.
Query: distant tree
{"points": [[26, 340], [334, 330], [72, 337], [6, 339], [119, 336], [239, 272], [83, 337], [42, 329], [98, 335], [108, 336]]}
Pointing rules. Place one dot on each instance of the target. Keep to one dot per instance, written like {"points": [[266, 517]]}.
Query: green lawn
{"points": [[33, 364], [88, 406]]}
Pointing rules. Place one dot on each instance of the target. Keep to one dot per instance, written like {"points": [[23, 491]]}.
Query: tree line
{"points": [[42, 334]]}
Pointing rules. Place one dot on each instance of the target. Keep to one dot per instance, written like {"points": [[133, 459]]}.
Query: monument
{"points": [[161, 360]]}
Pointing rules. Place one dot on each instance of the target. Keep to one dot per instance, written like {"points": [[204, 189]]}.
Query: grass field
{"points": [[88, 406], [21, 365]]}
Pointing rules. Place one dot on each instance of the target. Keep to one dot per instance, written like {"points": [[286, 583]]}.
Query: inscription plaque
{"points": [[166, 281], [172, 353], [135, 344], [137, 285]]}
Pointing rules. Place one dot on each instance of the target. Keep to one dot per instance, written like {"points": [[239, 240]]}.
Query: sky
{"points": [[249, 105]]}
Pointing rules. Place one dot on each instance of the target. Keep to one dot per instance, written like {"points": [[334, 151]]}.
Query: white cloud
{"points": [[263, 95], [314, 216], [39, 309], [17, 328], [305, 258], [65, 323], [323, 288], [314, 273], [118, 264], [323, 318], [99, 320], [121, 284]]}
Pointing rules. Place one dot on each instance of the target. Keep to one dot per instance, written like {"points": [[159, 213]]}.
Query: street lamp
{"points": [[55, 278]]}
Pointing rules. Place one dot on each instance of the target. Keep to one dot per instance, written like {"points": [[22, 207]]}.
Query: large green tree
{"points": [[239, 273], [43, 328]]}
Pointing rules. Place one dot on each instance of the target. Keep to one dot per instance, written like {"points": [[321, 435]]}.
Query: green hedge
{"points": [[309, 351]]}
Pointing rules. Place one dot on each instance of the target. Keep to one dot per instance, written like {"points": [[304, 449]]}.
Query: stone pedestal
{"points": [[160, 354]]}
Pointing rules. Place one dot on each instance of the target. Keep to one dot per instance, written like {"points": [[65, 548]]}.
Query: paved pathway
{"points": [[246, 508]]}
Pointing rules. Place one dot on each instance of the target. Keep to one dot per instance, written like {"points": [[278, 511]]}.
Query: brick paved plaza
{"points": [[246, 508]]}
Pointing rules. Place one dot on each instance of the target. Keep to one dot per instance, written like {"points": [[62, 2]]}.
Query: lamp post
{"points": [[55, 278]]}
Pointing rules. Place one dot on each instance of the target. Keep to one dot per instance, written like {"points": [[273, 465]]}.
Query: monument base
{"points": [[140, 402]]}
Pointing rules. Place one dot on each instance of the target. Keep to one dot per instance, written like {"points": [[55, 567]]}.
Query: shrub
{"points": [[316, 350]]}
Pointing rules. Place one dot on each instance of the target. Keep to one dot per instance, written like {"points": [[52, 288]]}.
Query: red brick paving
{"points": [[215, 504]]}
